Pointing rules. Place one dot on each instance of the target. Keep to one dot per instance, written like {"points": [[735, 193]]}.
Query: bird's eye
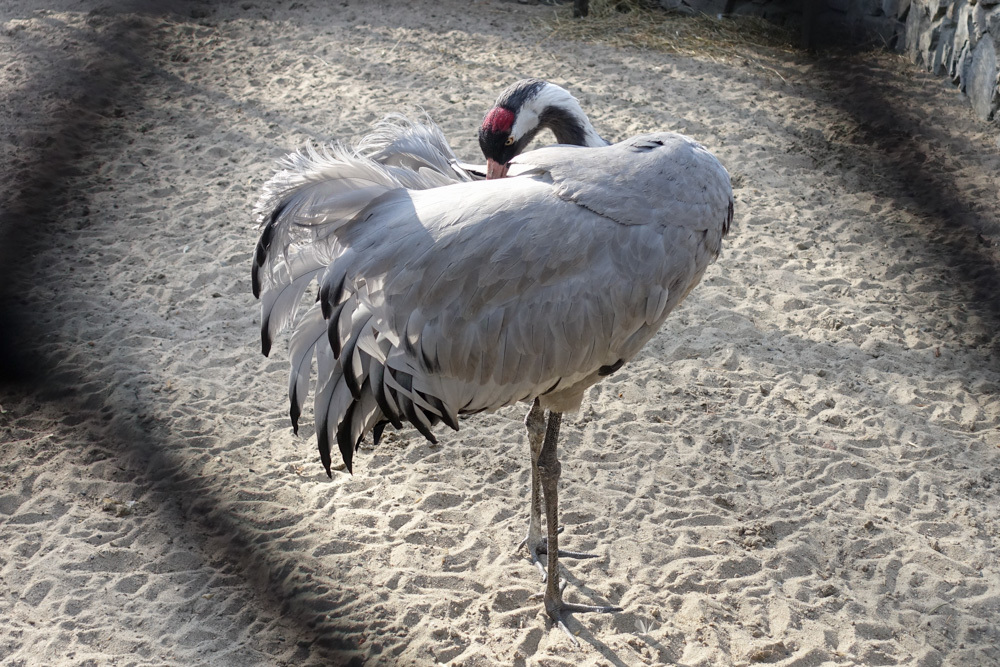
{"points": [[510, 141]]}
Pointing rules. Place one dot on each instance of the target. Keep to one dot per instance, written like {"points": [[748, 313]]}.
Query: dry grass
{"points": [[635, 23]]}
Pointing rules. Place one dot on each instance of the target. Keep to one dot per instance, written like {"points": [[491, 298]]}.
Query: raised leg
{"points": [[549, 470]]}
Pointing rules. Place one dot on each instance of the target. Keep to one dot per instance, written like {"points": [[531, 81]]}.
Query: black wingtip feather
{"points": [[260, 252], [333, 335], [255, 280], [344, 437], [347, 363], [376, 379], [333, 328], [293, 411], [405, 380], [377, 431], [323, 440], [376, 372], [604, 371], [324, 301], [439, 404], [410, 411], [264, 243], [330, 296], [350, 379], [265, 338]]}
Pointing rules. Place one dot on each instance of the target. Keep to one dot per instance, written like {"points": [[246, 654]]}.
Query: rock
{"points": [[960, 65], [884, 33], [916, 24], [960, 51], [944, 51], [981, 85], [926, 41], [977, 22]]}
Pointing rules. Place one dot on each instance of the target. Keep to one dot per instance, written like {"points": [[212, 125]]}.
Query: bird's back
{"points": [[482, 294]]}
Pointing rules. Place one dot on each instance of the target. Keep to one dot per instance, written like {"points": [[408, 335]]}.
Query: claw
{"points": [[541, 546], [558, 610], [533, 551]]}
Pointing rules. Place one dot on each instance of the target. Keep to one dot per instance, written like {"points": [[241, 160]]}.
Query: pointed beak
{"points": [[495, 170]]}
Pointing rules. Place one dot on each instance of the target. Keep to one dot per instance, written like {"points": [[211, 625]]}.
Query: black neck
{"points": [[568, 128]]}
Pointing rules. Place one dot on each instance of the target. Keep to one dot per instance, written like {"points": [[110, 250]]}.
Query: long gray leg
{"points": [[549, 470], [534, 422]]}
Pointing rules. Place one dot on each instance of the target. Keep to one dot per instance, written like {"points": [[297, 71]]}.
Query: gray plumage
{"points": [[314, 191], [440, 297]]}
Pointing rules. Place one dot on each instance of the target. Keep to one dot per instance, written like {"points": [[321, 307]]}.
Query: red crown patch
{"points": [[499, 120]]}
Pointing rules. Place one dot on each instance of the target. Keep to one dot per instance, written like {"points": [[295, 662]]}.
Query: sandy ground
{"points": [[802, 468]]}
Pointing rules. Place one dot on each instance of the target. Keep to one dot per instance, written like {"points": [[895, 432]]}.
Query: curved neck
{"points": [[553, 107]]}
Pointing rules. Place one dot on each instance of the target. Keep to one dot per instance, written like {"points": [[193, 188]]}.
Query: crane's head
{"points": [[520, 112]]}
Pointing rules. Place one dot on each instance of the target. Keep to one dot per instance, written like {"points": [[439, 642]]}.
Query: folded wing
{"points": [[457, 299]]}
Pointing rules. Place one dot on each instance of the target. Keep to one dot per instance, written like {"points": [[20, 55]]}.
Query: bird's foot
{"points": [[559, 611], [540, 545], [536, 547]]}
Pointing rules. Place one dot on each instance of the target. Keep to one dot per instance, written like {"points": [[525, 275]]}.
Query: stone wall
{"points": [[958, 38], [823, 21], [954, 38]]}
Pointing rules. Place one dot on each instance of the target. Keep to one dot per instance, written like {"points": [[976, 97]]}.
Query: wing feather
{"points": [[311, 330], [472, 296]]}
